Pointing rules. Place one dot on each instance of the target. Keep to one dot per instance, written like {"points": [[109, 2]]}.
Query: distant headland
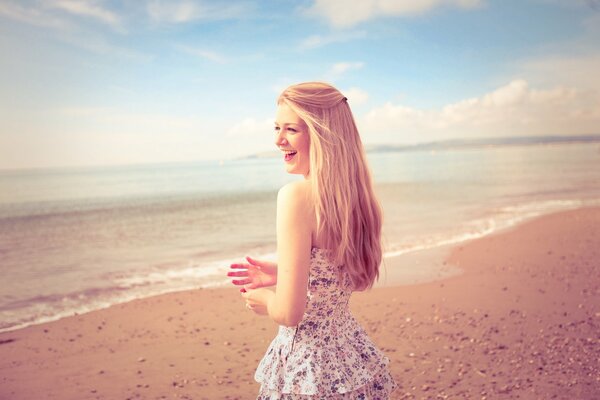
{"points": [[461, 143]]}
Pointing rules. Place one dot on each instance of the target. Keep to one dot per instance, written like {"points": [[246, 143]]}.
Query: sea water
{"points": [[79, 239]]}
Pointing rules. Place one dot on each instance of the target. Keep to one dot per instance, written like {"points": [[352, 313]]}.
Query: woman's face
{"points": [[292, 138]]}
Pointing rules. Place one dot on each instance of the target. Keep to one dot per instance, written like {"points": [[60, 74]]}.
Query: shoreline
{"points": [[485, 332], [413, 266]]}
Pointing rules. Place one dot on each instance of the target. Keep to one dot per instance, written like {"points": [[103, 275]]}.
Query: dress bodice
{"points": [[328, 352], [329, 289]]}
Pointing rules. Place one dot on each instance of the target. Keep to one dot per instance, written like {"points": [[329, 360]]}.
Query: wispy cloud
{"points": [[202, 53], [88, 9], [316, 41], [98, 44], [193, 10], [60, 14], [173, 12], [343, 14], [67, 20], [33, 16], [337, 70]]}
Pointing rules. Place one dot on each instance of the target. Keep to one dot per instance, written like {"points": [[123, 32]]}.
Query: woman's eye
{"points": [[277, 128], [292, 129]]}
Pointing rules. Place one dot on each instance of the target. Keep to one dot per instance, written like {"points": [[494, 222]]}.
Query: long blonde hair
{"points": [[348, 213]]}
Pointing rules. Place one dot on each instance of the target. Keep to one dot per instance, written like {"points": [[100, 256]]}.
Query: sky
{"points": [[102, 82]]}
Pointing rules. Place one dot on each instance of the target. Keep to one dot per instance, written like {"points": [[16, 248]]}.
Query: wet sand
{"points": [[522, 321]]}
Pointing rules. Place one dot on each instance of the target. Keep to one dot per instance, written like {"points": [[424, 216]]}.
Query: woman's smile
{"points": [[288, 154]]}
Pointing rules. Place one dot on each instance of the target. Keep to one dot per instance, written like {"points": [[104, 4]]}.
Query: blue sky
{"points": [[96, 82]]}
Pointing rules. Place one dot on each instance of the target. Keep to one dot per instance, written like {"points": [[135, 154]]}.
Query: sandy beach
{"points": [[522, 321]]}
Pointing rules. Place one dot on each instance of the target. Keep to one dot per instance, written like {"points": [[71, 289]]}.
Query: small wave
{"points": [[126, 287], [75, 304], [495, 220]]}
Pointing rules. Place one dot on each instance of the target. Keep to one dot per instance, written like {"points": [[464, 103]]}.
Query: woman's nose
{"points": [[280, 139]]}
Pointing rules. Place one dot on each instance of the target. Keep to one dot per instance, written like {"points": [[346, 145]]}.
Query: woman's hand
{"points": [[258, 299], [258, 274]]}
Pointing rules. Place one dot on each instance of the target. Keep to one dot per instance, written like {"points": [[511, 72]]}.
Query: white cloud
{"points": [[356, 96], [193, 10], [315, 41], [96, 43], [53, 14], [337, 70], [88, 9], [342, 13], [202, 53], [511, 110], [174, 12], [342, 67]]}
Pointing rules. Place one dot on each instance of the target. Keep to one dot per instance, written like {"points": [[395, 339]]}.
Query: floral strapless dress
{"points": [[328, 355]]}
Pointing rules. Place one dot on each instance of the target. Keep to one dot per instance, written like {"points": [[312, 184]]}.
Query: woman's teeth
{"points": [[288, 154]]}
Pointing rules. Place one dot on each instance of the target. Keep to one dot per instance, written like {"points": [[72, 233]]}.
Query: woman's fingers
{"points": [[245, 266], [237, 273], [241, 282], [254, 262], [261, 264], [251, 273]]}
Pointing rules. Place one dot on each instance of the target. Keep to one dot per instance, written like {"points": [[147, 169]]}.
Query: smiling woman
{"points": [[328, 245], [292, 137]]}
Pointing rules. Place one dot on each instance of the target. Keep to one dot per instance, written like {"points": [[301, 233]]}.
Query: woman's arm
{"points": [[294, 213]]}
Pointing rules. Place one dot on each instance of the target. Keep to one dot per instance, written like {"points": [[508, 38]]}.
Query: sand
{"points": [[521, 321]]}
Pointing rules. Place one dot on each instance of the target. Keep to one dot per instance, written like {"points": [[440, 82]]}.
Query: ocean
{"points": [[74, 240]]}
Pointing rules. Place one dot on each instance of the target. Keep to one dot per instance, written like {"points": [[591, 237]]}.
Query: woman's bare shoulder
{"points": [[295, 191], [295, 197]]}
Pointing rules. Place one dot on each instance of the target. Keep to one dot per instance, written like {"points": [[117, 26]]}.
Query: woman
{"points": [[328, 245]]}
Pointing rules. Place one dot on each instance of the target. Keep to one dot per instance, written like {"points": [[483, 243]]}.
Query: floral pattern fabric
{"points": [[328, 355]]}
